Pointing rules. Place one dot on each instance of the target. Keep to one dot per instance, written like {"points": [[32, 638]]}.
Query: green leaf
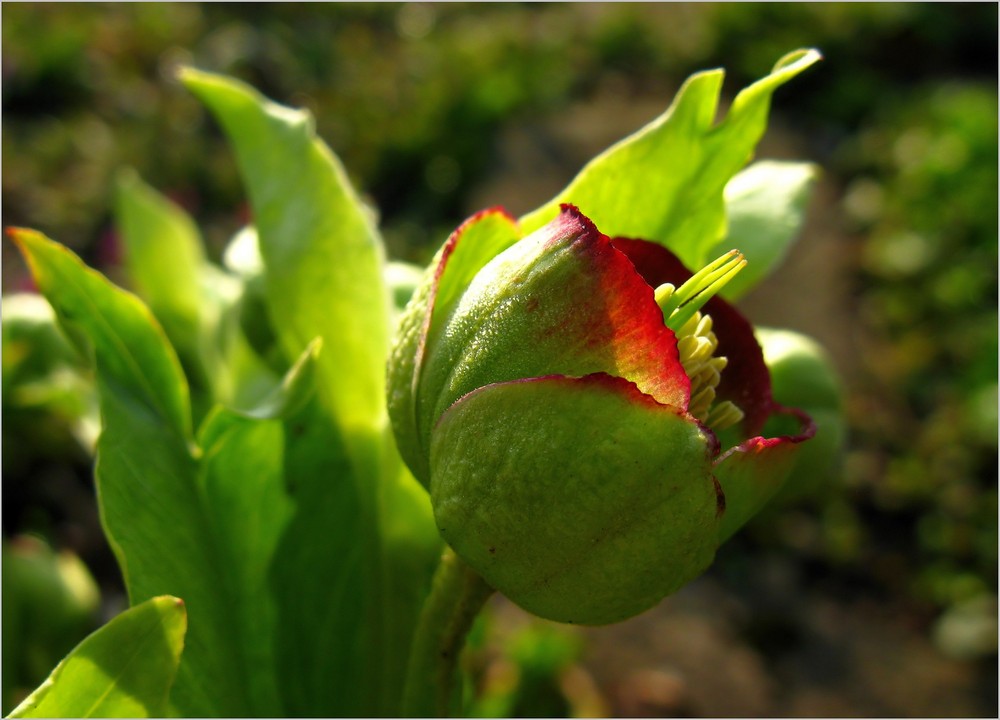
{"points": [[124, 669], [291, 393], [355, 565], [189, 296], [322, 252], [129, 347], [163, 256], [766, 205], [665, 183], [146, 470], [358, 552], [199, 528], [243, 485]]}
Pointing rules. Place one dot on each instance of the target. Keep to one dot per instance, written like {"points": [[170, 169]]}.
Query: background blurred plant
{"points": [[440, 109]]}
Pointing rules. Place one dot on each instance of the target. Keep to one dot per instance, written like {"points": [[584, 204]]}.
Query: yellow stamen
{"points": [[696, 342]]}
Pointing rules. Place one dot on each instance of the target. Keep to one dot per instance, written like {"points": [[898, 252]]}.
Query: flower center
{"points": [[696, 343]]}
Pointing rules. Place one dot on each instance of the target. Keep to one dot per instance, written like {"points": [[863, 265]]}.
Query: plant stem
{"points": [[457, 595]]}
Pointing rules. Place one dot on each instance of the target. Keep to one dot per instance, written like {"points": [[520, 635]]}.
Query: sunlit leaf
{"points": [[357, 554], [322, 251], [128, 345], [190, 297], [665, 183], [180, 521], [124, 669]]}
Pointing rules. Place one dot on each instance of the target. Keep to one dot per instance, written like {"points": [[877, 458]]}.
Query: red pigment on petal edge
{"points": [[612, 382], [759, 443], [644, 349], [746, 380], [569, 210]]}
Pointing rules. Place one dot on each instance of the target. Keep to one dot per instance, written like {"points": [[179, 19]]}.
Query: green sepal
{"points": [[750, 475], [581, 499]]}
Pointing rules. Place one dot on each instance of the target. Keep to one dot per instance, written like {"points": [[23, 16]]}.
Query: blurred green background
{"points": [[876, 597]]}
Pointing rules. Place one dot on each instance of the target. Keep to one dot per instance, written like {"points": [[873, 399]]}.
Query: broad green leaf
{"points": [[354, 569], [325, 628], [294, 390], [202, 529], [146, 472], [128, 345], [665, 183], [358, 552], [243, 485], [124, 669], [766, 205], [323, 254]]}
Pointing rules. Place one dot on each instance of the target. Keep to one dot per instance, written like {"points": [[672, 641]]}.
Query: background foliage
{"points": [[879, 597]]}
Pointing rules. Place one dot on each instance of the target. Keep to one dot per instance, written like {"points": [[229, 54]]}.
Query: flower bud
{"points": [[568, 426]]}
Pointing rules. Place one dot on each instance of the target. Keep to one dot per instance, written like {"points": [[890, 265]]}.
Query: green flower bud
{"points": [[563, 398]]}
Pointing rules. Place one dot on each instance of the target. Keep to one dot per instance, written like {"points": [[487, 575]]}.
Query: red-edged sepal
{"points": [[561, 301], [755, 470]]}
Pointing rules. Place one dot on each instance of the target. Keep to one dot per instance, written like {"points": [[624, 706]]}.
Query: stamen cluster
{"points": [[696, 343]]}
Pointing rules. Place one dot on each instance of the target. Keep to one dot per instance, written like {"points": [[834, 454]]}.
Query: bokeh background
{"points": [[877, 596]]}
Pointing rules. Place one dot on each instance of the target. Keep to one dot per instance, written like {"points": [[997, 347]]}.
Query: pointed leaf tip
{"points": [[124, 669], [803, 57]]}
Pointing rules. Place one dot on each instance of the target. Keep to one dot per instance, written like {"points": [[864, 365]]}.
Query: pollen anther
{"points": [[696, 342]]}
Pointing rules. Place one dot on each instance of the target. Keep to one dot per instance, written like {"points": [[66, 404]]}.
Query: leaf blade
{"points": [[665, 182], [323, 254], [152, 508], [359, 548], [68, 284], [163, 255], [124, 669]]}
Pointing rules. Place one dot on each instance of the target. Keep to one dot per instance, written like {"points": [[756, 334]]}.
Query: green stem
{"points": [[457, 595]]}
